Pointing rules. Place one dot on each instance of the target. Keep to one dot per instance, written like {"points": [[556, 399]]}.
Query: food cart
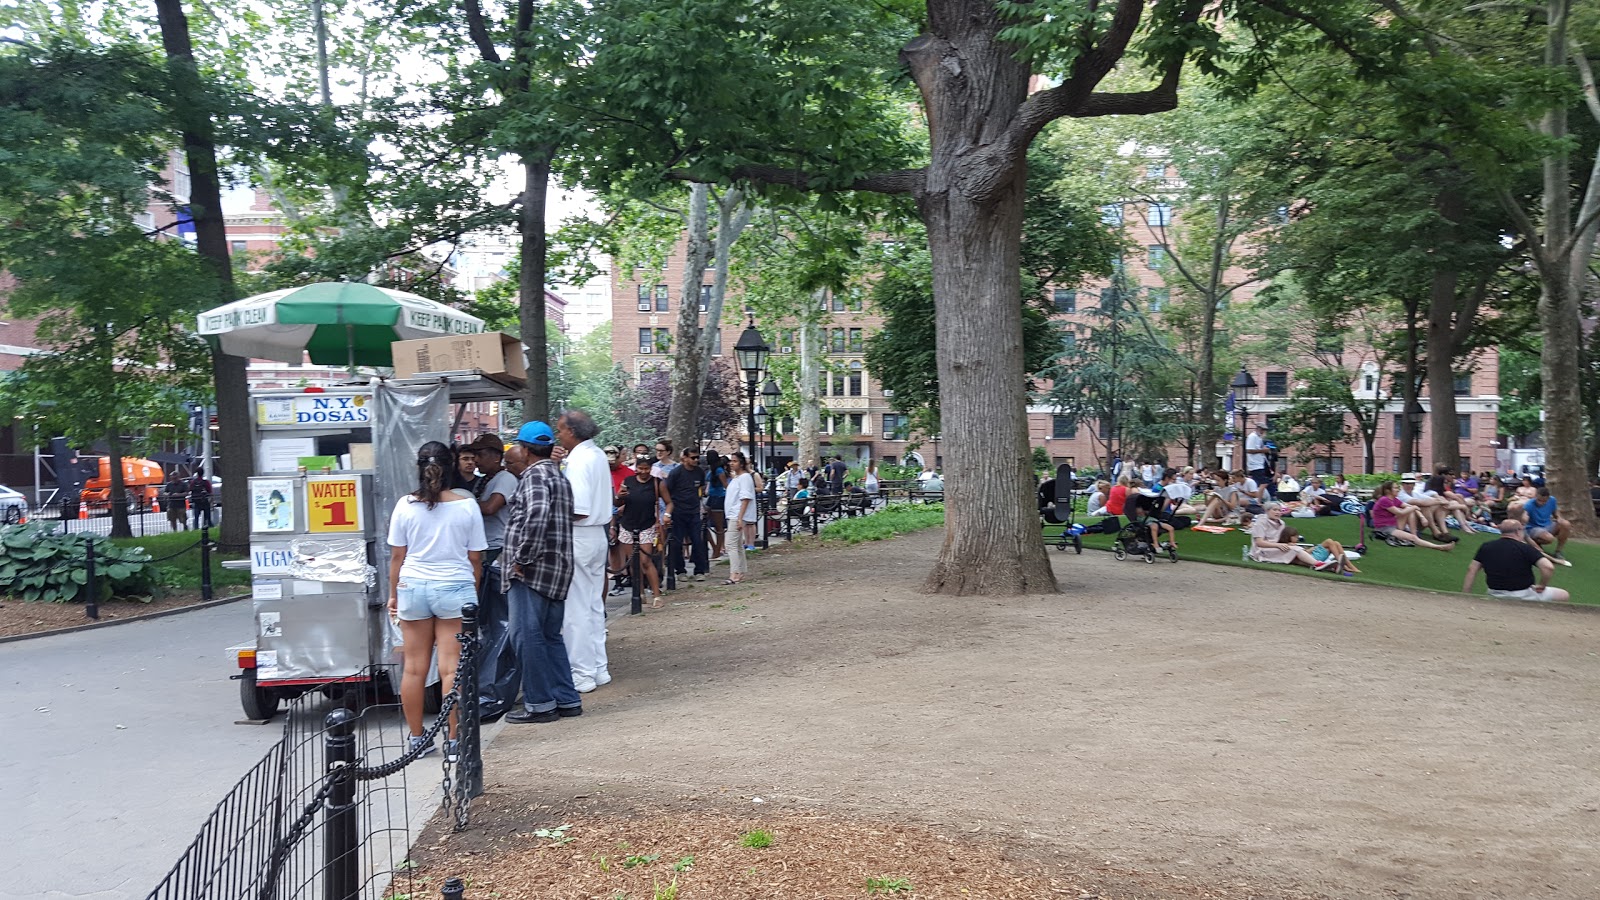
{"points": [[330, 465]]}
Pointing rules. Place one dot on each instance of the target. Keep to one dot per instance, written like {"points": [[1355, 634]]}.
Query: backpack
{"points": [[1354, 507]]}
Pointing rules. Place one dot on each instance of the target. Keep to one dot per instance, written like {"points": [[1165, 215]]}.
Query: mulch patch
{"points": [[17, 617], [612, 848]]}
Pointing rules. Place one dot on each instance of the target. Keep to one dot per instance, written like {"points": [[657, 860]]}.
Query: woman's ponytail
{"points": [[434, 461]]}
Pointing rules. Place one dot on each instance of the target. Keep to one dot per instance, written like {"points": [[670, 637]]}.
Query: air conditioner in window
{"points": [[646, 348], [786, 350], [644, 306], [888, 435], [888, 392]]}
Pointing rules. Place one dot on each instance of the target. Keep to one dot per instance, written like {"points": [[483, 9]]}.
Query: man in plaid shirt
{"points": [[536, 570]]}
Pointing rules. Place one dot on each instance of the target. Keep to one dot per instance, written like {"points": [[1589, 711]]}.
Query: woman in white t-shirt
{"points": [[436, 544], [739, 505]]}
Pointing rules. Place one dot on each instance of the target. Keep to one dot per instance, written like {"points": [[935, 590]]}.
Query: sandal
{"points": [[729, 581]]}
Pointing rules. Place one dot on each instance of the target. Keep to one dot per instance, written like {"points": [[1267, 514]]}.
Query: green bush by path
{"points": [[183, 570], [899, 518], [1414, 567]]}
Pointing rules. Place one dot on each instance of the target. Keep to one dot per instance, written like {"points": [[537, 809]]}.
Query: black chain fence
{"points": [[327, 813]]}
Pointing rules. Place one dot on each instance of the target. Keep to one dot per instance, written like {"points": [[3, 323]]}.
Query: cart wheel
{"points": [[1172, 554], [433, 698], [1077, 545], [1118, 551], [259, 703], [1150, 557]]}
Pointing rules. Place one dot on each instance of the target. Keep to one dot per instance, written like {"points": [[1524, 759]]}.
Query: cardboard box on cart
{"points": [[491, 352]]}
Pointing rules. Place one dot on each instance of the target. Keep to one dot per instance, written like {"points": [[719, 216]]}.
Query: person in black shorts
{"points": [[1508, 565]]}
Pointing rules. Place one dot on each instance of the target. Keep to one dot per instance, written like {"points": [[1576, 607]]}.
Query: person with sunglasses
{"points": [[640, 501], [686, 484]]}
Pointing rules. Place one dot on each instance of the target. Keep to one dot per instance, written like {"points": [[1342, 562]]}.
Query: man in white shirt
{"points": [[1255, 454], [583, 627]]}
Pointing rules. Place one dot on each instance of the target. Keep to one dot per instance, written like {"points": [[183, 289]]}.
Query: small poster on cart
{"points": [[334, 504], [272, 505]]}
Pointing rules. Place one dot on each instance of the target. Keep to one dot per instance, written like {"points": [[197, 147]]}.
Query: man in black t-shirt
{"points": [[686, 485], [1508, 565]]}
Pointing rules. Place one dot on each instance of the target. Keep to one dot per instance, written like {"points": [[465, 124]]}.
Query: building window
{"points": [[1063, 428], [856, 345], [838, 303], [1277, 384], [1369, 383], [716, 341], [661, 298], [1324, 465], [1103, 429], [836, 340], [663, 340], [1111, 214], [1157, 256], [238, 247], [644, 298], [895, 427], [1465, 467], [1069, 341], [857, 302], [646, 345], [1161, 214], [1272, 426], [1464, 426], [1155, 170], [858, 423], [1463, 385], [786, 425], [855, 379], [1158, 298], [1066, 301], [705, 297], [786, 341]]}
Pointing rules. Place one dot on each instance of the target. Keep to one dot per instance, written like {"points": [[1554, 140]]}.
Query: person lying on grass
{"points": [[1330, 554], [1268, 544]]}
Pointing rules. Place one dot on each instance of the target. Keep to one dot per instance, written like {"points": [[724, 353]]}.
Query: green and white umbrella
{"points": [[337, 323]]}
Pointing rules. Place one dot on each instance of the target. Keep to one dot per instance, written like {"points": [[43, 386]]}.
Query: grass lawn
{"points": [[1415, 567], [183, 570], [897, 518]]}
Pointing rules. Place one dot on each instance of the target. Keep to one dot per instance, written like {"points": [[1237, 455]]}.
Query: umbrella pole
{"points": [[350, 348]]}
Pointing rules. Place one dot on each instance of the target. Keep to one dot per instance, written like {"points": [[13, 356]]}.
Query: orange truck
{"points": [[143, 479]]}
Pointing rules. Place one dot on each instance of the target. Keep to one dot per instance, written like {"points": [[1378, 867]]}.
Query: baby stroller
{"points": [[1055, 507], [1134, 540]]}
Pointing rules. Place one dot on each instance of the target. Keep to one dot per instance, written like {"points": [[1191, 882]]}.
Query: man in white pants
{"points": [[584, 627]]}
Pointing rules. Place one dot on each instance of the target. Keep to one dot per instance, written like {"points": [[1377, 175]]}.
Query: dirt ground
{"points": [[17, 617], [1166, 730]]}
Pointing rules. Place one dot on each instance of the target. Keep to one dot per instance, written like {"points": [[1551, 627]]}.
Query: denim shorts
{"points": [[419, 599]]}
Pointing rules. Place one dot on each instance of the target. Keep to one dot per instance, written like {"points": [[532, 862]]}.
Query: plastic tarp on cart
{"points": [[405, 418]]}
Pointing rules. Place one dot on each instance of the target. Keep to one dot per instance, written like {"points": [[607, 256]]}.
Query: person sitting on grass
{"points": [[1330, 554], [1268, 543], [1175, 494], [1097, 500], [1224, 500], [1145, 506], [1544, 525], [1508, 565], [1385, 510]]}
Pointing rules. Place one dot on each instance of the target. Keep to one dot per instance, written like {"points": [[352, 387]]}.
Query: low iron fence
{"points": [[326, 813]]}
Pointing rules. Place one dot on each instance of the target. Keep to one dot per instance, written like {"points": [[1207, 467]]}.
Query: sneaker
{"points": [[569, 712], [417, 741], [1559, 556], [1326, 564], [618, 591], [452, 751], [602, 677], [524, 716], [584, 685], [700, 577]]}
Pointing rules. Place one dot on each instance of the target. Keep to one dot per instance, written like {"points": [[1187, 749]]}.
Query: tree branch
{"points": [[903, 181], [479, 31]]}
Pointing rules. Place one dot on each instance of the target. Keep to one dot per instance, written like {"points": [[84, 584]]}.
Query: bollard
{"points": [[470, 767], [341, 833], [91, 608], [454, 889], [636, 579], [205, 562]]}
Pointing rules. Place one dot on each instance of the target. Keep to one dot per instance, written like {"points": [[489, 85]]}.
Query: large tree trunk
{"points": [[688, 375], [530, 286], [211, 240], [118, 492], [971, 202], [808, 448], [1408, 391], [1445, 445]]}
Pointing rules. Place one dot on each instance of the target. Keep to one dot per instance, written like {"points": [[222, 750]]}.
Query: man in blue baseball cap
{"points": [[537, 569]]}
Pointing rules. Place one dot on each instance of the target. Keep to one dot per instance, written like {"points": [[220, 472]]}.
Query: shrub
{"points": [[37, 564]]}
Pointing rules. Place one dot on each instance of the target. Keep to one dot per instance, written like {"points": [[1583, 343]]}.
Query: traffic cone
{"points": [[155, 505], [83, 512]]}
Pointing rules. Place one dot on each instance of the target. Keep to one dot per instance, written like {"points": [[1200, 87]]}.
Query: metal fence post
{"points": [[341, 835], [91, 607], [454, 889], [470, 769], [205, 562]]}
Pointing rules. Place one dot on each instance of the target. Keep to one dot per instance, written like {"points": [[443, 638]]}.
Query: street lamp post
{"points": [[760, 419], [752, 351], [769, 397], [1244, 387], [1415, 416]]}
